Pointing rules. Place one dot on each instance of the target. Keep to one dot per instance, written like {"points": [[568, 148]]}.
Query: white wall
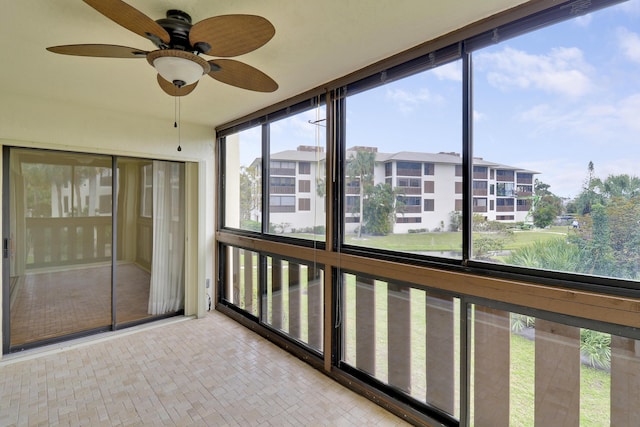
{"points": [[44, 123]]}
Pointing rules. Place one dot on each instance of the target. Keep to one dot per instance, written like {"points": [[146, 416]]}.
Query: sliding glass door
{"points": [[63, 278]]}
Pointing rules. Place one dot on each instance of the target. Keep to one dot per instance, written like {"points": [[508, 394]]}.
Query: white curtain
{"points": [[167, 264]]}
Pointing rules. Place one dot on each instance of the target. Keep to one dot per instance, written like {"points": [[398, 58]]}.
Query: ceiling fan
{"points": [[180, 45]]}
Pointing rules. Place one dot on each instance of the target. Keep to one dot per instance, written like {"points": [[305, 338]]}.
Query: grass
{"points": [[449, 241]]}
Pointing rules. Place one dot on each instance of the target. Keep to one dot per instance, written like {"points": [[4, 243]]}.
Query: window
{"points": [[243, 180], [146, 189], [505, 189], [408, 220], [479, 204], [540, 141], [297, 144], [429, 169], [429, 205], [479, 188], [480, 172], [282, 203], [408, 169], [304, 204], [304, 168], [504, 175], [396, 148], [429, 187], [304, 186]]}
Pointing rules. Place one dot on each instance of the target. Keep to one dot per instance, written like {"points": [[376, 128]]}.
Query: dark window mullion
{"points": [[467, 156]]}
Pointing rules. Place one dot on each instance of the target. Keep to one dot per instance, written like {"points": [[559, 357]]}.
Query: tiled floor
{"points": [[55, 303], [205, 372]]}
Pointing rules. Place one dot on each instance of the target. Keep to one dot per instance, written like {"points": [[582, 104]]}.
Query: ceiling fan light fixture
{"points": [[177, 66]]}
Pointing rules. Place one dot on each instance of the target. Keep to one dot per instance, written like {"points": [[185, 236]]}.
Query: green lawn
{"points": [[450, 241]]}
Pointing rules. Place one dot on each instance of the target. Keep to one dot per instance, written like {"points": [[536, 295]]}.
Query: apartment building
{"points": [[428, 185]]}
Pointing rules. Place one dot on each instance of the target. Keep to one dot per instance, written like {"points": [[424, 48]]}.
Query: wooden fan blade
{"points": [[232, 35], [238, 74], [130, 18], [174, 90], [99, 50]]}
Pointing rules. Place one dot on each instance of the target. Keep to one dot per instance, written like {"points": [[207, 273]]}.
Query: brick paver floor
{"points": [[180, 372]]}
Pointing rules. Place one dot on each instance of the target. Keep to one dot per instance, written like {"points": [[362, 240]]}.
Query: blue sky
{"points": [[549, 101]]}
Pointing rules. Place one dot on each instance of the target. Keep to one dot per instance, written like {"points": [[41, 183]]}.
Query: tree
{"points": [[380, 206], [250, 192], [360, 167], [546, 205]]}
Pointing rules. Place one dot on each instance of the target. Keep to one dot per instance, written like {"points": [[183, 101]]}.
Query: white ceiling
{"points": [[316, 41]]}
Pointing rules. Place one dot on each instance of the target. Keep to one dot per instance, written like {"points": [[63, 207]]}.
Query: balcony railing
{"points": [[531, 359], [65, 241]]}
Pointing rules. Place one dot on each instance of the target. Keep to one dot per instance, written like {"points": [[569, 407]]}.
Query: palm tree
{"points": [[360, 166]]}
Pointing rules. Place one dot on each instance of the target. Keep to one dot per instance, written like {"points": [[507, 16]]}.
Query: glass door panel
{"points": [[60, 244], [150, 236]]}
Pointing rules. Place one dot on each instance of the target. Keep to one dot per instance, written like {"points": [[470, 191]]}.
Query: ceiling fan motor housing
{"points": [[177, 24]]}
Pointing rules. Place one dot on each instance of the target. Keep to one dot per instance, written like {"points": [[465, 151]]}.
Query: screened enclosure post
{"points": [[440, 351], [557, 374], [248, 281], [365, 325], [235, 297], [399, 327], [315, 307], [294, 300], [625, 381], [276, 293], [492, 334]]}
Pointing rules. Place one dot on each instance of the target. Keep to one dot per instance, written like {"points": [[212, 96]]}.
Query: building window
{"points": [[408, 169], [304, 186], [504, 175], [408, 220], [458, 205], [304, 168], [458, 187], [304, 204], [458, 170], [429, 205], [480, 172], [479, 188], [429, 169], [282, 203], [479, 204], [429, 187], [505, 189], [388, 169], [282, 185]]}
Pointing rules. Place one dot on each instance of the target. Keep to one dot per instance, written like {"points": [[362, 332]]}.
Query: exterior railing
{"points": [[64, 241], [476, 350]]}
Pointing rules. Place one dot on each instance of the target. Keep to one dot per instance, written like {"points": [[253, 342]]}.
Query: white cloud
{"points": [[599, 122], [409, 101], [451, 71], [629, 44], [478, 116], [563, 70]]}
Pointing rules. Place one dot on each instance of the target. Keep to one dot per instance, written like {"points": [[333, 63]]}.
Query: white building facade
{"points": [[428, 184]]}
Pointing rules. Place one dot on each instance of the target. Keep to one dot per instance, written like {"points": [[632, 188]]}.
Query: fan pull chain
{"points": [[176, 113]]}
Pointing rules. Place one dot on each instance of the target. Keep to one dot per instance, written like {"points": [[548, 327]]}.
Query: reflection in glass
{"points": [[60, 244], [243, 180], [150, 256]]}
